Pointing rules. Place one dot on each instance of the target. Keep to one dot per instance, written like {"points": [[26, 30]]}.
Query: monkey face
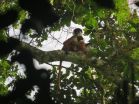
{"points": [[80, 34], [77, 32]]}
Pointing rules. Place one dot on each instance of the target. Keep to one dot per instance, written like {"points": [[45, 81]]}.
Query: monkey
{"points": [[73, 44], [70, 44], [82, 46]]}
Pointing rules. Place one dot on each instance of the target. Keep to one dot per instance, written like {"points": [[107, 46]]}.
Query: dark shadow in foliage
{"points": [[121, 93], [31, 24], [41, 15], [8, 46], [137, 3], [41, 78], [8, 18], [109, 4], [136, 100]]}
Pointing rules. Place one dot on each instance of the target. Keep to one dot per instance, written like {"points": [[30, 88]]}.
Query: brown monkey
{"points": [[71, 44], [82, 47]]}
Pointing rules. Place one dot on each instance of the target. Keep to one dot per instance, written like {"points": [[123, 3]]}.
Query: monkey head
{"points": [[77, 32]]}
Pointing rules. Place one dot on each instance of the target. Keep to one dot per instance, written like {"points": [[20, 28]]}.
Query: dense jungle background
{"points": [[108, 74]]}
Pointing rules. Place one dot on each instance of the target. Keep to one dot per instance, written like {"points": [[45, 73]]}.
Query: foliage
{"points": [[116, 43], [6, 71]]}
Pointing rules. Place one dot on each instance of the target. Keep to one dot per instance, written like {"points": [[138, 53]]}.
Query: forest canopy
{"points": [[108, 74]]}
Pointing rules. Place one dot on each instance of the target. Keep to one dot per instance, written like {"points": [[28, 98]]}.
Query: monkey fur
{"points": [[74, 44], [82, 47], [71, 44]]}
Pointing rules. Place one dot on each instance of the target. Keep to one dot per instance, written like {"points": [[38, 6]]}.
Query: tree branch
{"points": [[77, 58], [56, 55]]}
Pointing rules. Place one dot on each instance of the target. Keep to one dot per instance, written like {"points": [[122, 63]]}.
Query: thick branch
{"points": [[76, 58], [56, 55]]}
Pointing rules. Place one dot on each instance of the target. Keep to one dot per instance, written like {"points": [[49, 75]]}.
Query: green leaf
{"points": [[135, 54]]}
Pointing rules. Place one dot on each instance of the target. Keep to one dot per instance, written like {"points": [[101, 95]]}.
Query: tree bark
{"points": [[56, 55]]}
